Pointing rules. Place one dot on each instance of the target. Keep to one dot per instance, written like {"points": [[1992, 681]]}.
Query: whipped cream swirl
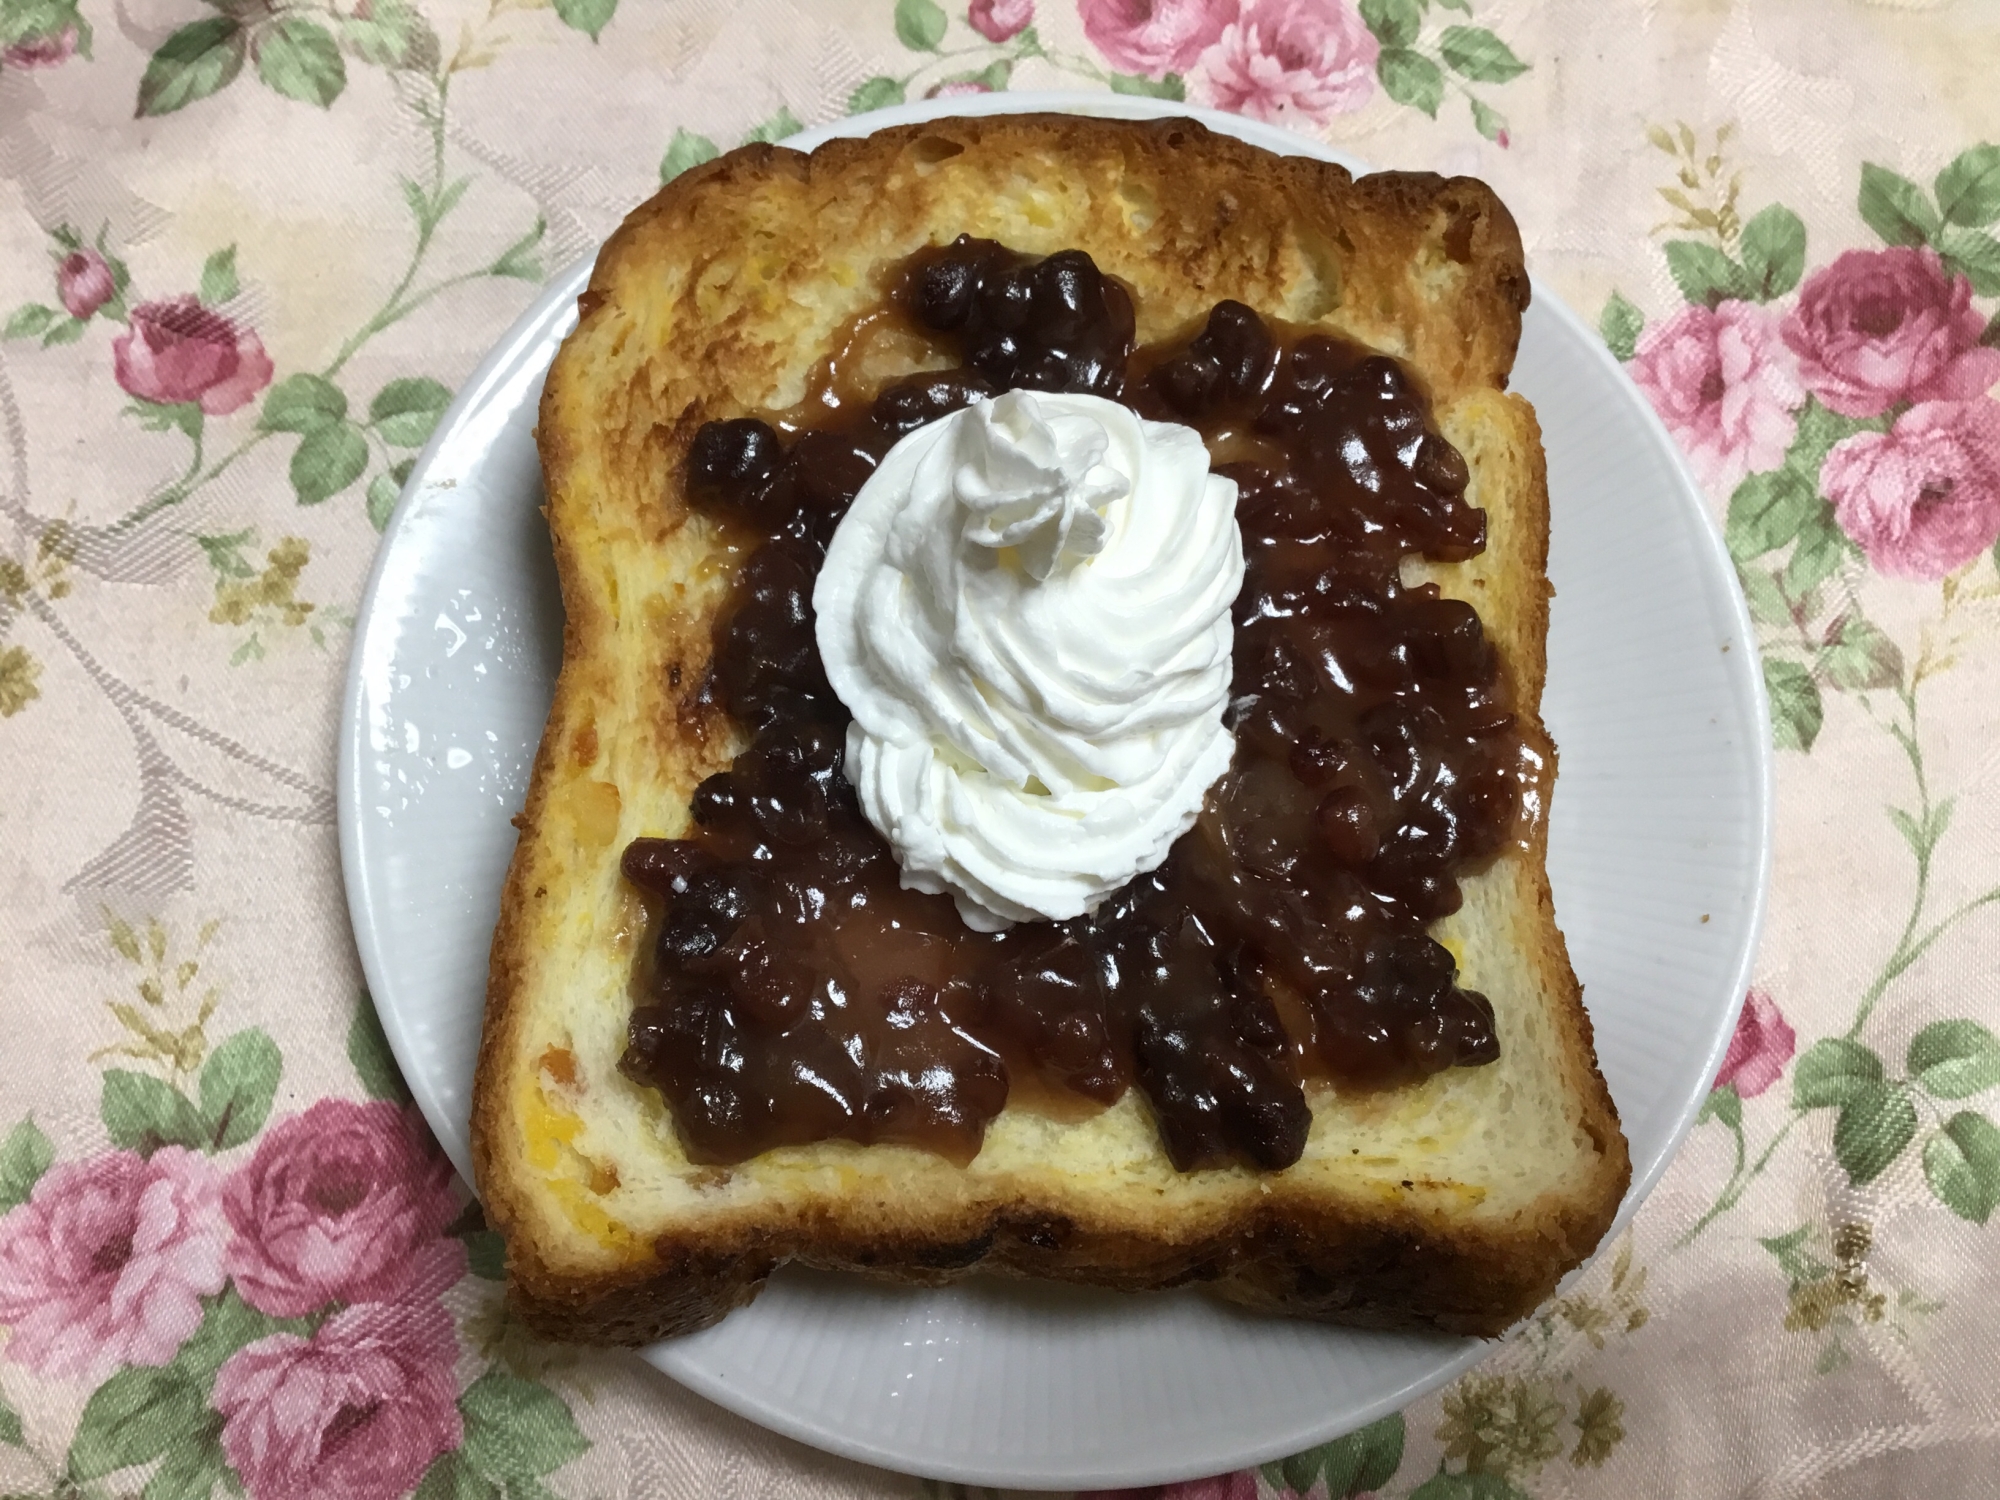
{"points": [[1026, 610]]}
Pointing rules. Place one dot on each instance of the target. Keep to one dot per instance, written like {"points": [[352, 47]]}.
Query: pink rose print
{"points": [[1000, 20], [1154, 37], [346, 1203], [107, 1261], [1923, 497], [1881, 327], [956, 86], [1723, 383], [355, 1413], [50, 51], [1757, 1054], [84, 282], [1284, 60], [179, 350], [1241, 1485]]}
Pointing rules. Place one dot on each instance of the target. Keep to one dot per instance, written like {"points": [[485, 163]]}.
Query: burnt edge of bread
{"points": [[1465, 1279]]}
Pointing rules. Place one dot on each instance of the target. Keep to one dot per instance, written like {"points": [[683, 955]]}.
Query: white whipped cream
{"points": [[1027, 612]]}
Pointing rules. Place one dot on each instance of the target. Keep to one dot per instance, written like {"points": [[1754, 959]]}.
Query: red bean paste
{"points": [[794, 992]]}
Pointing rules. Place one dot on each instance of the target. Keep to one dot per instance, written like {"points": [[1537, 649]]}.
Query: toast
{"points": [[1454, 1204]]}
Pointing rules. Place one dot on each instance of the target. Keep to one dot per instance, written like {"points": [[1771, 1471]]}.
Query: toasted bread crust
{"points": [[715, 298]]}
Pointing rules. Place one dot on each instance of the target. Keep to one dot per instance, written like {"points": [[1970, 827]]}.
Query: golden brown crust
{"points": [[714, 298]]}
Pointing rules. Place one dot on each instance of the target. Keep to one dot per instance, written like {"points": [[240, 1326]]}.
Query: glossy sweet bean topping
{"points": [[792, 991]]}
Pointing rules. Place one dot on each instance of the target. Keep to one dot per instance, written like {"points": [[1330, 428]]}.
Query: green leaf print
{"points": [[1768, 605], [1859, 657], [1767, 511], [520, 259], [1620, 325], [1974, 255], [218, 277], [1443, 1486], [393, 34], [1819, 430], [1955, 1059], [297, 58], [1800, 1265], [191, 64], [920, 24], [686, 150], [1922, 836], [450, 1477], [1895, 207], [1962, 1166], [587, 16], [515, 1429], [23, 20], [1872, 1130], [1796, 710], [1362, 1461], [368, 1050], [1834, 1071], [384, 490], [1704, 274], [994, 77], [878, 92], [227, 1324], [192, 1466], [143, 1114], [24, 1156], [238, 1082], [1968, 190], [1476, 53], [1823, 547], [1774, 252], [156, 416], [1408, 77], [404, 411], [30, 320], [782, 124], [1395, 23], [485, 1251], [133, 1418], [1171, 86], [327, 460], [1487, 120], [10, 1426], [1723, 1104], [302, 403]]}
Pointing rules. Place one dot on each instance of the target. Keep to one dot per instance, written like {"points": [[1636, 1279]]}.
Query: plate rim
{"points": [[372, 632]]}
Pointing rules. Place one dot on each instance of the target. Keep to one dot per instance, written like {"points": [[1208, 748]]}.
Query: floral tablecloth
{"points": [[247, 247]]}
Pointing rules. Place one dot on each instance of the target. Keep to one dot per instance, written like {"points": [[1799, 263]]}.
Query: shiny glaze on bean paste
{"points": [[790, 991]]}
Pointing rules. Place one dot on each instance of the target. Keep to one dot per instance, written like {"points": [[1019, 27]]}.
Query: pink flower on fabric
{"points": [[345, 1203], [1724, 384], [357, 1412], [84, 282], [178, 350], [107, 1261], [1284, 60], [956, 86], [1923, 497], [1757, 1054], [1000, 20], [49, 51], [1154, 37], [1881, 327]]}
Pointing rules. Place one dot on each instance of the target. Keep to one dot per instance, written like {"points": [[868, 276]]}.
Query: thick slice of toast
{"points": [[1454, 1204]]}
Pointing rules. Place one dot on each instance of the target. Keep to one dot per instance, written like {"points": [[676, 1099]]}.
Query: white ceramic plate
{"points": [[1658, 854]]}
